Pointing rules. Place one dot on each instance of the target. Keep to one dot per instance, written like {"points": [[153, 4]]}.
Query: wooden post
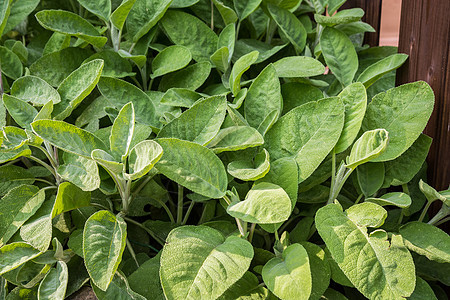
{"points": [[425, 37], [372, 16]]}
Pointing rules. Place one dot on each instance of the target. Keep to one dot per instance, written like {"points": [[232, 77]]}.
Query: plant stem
{"points": [[166, 208], [151, 233], [400, 219], [405, 189], [424, 211], [45, 181], [212, 15], [188, 212], [133, 254], [441, 221], [333, 169], [180, 204], [44, 164], [238, 221], [49, 188], [252, 230], [137, 82], [358, 199], [143, 71], [238, 27]]}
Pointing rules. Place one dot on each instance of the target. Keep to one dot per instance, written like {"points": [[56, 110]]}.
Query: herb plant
{"points": [[196, 149]]}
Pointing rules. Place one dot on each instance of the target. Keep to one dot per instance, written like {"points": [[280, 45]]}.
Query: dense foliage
{"points": [[196, 149]]}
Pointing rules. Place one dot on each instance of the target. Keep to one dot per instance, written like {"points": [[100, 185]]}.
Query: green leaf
{"points": [[77, 86], [67, 137], [240, 66], [291, 27], [430, 193], [118, 289], [22, 112], [11, 64], [5, 9], [289, 277], [56, 66], [104, 239], [171, 59], [191, 77], [295, 94], [376, 258], [193, 166], [138, 59], [70, 197], [114, 64], [228, 15], [13, 138], [250, 170], [186, 30], [122, 132], [220, 58], [119, 92], [427, 240], [265, 203], [54, 284], [367, 214], [15, 254], [368, 147], [145, 280], [245, 8], [263, 97], [339, 54], [35, 90], [298, 66], [247, 287], [355, 101], [182, 3], [101, 9], [119, 16], [143, 157], [80, 171], [37, 231], [108, 162], [236, 138], [403, 111], [200, 123], [56, 42], [398, 199], [200, 262], [320, 269], [370, 177], [342, 17], [72, 24], [403, 169], [307, 133], [245, 46], [375, 71], [144, 15], [20, 9], [16, 207], [422, 291], [180, 97], [11, 155]]}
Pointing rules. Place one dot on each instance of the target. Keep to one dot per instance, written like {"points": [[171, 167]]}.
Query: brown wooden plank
{"points": [[372, 9], [425, 36]]}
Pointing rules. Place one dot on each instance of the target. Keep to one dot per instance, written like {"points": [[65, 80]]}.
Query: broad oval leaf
{"points": [[100, 8], [374, 72], [289, 277], [265, 203], [186, 30], [15, 254], [377, 258], [11, 64], [320, 269], [247, 287], [104, 239], [16, 207], [307, 133], [145, 280], [368, 147], [245, 8], [370, 177], [263, 97], [200, 262], [367, 214], [170, 59], [298, 66], [144, 15], [354, 98], [119, 289], [403, 111], [120, 92], [239, 67], [67, 137], [290, 25], [250, 170], [191, 77], [122, 132], [69, 23], [236, 138], [77, 86], [339, 54], [193, 166], [70, 197], [296, 94], [54, 284], [200, 123], [35, 90], [245, 46], [342, 17], [119, 16], [80, 171], [142, 158], [398, 199], [22, 112], [107, 161], [19, 11], [422, 291], [427, 240]]}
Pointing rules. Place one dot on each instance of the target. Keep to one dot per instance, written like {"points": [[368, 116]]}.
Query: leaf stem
{"points": [[188, 212], [359, 198], [405, 188], [166, 208], [441, 221], [252, 230], [45, 181], [424, 211], [180, 204], [212, 15], [133, 254], [44, 164], [151, 233]]}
